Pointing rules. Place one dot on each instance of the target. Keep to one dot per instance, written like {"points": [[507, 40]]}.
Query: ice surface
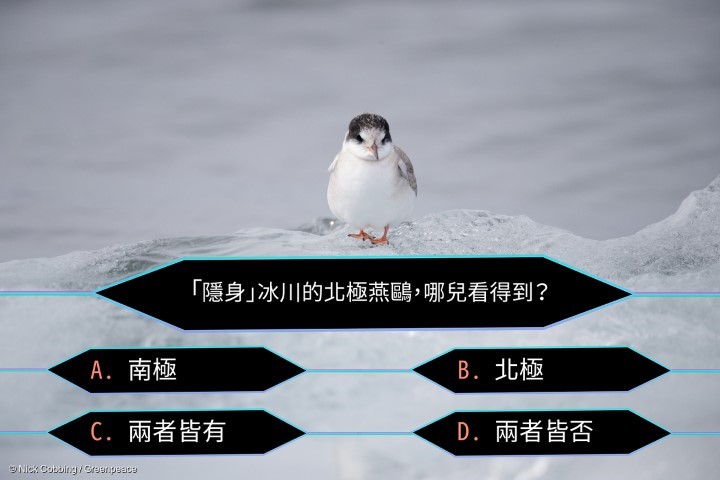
{"points": [[680, 253], [687, 241]]}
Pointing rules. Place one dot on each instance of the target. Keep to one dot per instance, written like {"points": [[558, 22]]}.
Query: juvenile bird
{"points": [[372, 182]]}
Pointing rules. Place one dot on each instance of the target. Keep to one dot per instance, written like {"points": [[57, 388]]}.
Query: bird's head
{"points": [[368, 137]]}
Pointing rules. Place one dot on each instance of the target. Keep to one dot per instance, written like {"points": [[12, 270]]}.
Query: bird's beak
{"points": [[373, 149]]}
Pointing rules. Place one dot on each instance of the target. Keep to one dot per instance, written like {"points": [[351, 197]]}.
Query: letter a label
{"points": [[96, 370]]}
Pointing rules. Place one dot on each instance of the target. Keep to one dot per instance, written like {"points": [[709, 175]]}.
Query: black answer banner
{"points": [[565, 432], [541, 369], [194, 432], [189, 369]]}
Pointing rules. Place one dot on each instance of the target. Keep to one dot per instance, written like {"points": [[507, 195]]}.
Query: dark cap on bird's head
{"points": [[368, 121]]}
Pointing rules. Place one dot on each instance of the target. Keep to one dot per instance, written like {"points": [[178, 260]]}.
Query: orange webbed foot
{"points": [[362, 236], [382, 240]]}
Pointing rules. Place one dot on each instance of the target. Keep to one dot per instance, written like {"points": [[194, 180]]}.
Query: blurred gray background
{"points": [[132, 120]]}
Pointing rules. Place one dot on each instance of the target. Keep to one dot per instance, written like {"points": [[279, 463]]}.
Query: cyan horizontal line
{"points": [[22, 432], [696, 434], [45, 293], [358, 370], [23, 370], [695, 370], [677, 294], [356, 434]]}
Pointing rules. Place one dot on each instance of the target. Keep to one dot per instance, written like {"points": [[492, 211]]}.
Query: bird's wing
{"points": [[332, 165], [406, 168]]}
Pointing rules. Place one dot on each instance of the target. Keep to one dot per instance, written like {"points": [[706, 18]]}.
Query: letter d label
{"points": [[463, 431]]}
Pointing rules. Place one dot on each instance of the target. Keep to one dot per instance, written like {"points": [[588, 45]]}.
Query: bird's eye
{"points": [[359, 138]]}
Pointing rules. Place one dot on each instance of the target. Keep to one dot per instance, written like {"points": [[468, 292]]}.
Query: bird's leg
{"points": [[382, 240], [362, 236]]}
